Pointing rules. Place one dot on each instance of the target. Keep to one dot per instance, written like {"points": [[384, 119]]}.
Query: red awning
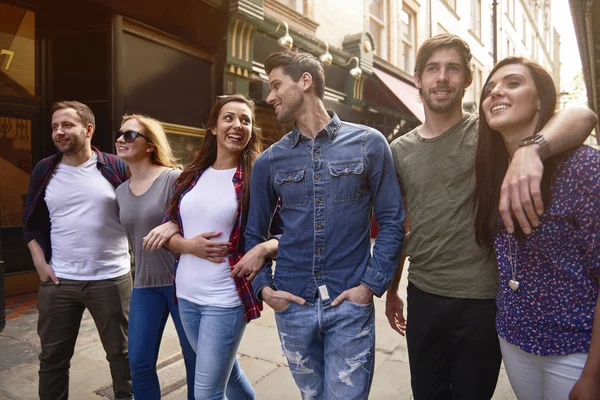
{"points": [[406, 93]]}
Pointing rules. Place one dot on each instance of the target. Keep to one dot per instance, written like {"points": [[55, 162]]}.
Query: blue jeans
{"points": [[215, 334], [330, 350], [148, 312]]}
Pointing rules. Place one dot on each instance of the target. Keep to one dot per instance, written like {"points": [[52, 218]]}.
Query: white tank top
{"points": [[210, 206]]}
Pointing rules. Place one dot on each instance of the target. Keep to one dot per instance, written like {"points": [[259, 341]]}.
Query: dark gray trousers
{"points": [[61, 308]]}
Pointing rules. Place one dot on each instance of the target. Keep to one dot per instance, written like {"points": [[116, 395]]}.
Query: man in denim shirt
{"points": [[329, 175]]}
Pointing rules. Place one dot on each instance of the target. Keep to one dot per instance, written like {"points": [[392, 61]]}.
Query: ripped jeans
{"points": [[331, 350]]}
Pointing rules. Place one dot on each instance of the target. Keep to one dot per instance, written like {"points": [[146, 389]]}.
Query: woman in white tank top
{"points": [[143, 199], [210, 209]]}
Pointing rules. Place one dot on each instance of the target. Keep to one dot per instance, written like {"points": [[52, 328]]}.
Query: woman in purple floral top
{"points": [[547, 281]]}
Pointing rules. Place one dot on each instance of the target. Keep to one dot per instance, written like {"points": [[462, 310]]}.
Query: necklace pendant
{"points": [[514, 285]]}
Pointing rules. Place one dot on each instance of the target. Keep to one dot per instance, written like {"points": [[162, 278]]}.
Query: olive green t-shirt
{"points": [[437, 177]]}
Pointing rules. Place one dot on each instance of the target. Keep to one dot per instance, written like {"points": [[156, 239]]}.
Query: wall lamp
{"points": [[286, 41], [326, 58], [356, 72]]}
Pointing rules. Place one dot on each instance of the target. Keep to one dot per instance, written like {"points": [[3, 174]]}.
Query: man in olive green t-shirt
{"points": [[452, 342]]}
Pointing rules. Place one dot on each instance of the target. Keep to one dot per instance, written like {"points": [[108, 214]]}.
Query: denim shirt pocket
{"points": [[292, 189], [345, 180]]}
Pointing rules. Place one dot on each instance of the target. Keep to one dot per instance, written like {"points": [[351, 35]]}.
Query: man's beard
{"points": [[284, 117], [443, 106]]}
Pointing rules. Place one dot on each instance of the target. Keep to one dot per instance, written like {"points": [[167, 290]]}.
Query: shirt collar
{"points": [[331, 129]]}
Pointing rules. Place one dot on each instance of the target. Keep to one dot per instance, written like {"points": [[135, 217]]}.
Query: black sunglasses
{"points": [[129, 136]]}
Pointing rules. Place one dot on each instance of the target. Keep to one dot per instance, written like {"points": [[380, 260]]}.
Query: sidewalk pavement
{"points": [[260, 357]]}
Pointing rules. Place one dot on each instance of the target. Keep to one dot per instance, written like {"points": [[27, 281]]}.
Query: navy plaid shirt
{"points": [[36, 217]]}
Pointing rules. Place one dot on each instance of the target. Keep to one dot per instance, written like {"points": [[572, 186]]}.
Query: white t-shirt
{"points": [[88, 242], [210, 206]]}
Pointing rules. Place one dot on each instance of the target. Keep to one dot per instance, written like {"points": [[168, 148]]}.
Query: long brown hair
{"points": [[491, 161], [208, 152]]}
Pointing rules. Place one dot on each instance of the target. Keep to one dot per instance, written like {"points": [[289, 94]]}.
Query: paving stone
{"points": [[267, 317], [503, 389], [278, 385], [179, 394], [262, 343], [256, 369], [14, 352], [391, 381], [4, 396], [20, 382]]}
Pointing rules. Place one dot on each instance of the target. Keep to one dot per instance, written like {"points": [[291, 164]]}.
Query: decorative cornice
{"points": [[252, 10], [296, 20], [183, 130], [154, 35]]}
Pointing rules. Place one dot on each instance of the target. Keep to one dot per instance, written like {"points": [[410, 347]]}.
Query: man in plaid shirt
{"points": [[79, 249]]}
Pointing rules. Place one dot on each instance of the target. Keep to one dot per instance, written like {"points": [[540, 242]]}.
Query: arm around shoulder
{"points": [[568, 128]]}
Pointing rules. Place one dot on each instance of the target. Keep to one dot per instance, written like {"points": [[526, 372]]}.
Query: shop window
{"points": [[185, 141], [17, 80], [17, 126]]}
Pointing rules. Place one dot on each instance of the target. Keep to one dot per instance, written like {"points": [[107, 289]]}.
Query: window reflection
{"points": [[17, 45], [15, 167], [17, 80]]}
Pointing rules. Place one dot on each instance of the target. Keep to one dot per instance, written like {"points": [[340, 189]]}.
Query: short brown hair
{"points": [[294, 64], [84, 112], [444, 40]]}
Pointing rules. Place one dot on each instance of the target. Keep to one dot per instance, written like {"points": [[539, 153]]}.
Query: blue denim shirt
{"points": [[328, 188]]}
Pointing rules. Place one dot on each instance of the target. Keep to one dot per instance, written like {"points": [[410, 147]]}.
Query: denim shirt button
{"points": [[319, 200], [318, 250], [317, 274], [317, 176], [318, 226]]}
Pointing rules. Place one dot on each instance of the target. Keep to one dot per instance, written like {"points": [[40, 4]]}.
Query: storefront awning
{"points": [[406, 93]]}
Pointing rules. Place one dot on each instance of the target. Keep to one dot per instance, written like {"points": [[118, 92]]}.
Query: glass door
{"points": [[18, 122]]}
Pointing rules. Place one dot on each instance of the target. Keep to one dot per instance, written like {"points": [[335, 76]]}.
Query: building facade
{"points": [[169, 60], [586, 20]]}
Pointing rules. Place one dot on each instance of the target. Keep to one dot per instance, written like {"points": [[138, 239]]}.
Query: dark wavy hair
{"points": [[492, 158], [294, 64], [208, 152]]}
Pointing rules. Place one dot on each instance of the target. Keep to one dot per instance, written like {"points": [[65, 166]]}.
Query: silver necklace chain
{"points": [[513, 260]]}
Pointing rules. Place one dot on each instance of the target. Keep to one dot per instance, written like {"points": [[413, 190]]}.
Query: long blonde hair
{"points": [[157, 138]]}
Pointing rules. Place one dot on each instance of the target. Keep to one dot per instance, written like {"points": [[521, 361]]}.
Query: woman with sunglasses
{"points": [[548, 280], [210, 207], [143, 199]]}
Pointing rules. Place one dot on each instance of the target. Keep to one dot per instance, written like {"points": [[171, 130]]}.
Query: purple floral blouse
{"points": [[557, 266]]}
